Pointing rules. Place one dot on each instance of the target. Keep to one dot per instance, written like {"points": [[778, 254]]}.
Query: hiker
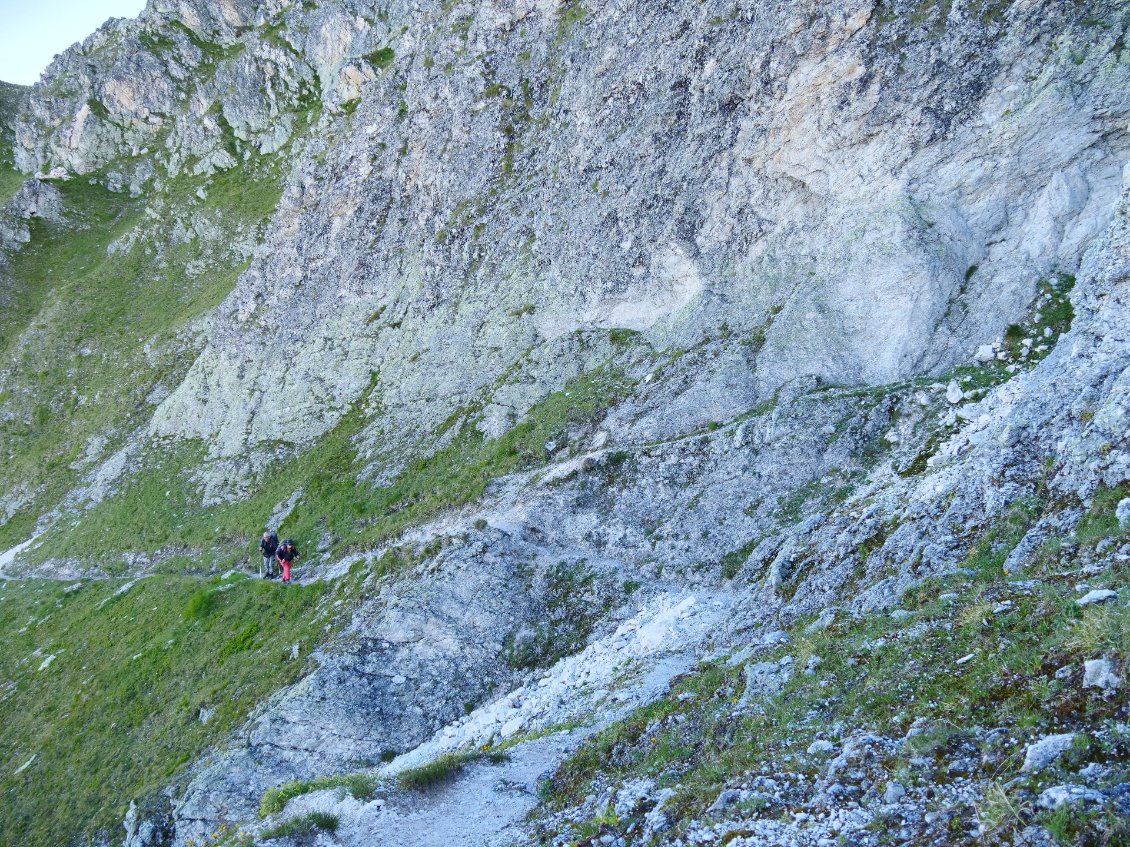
{"points": [[268, 547], [287, 554]]}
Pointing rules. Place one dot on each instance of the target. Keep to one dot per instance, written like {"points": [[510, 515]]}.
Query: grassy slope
{"points": [[10, 178], [117, 712], [879, 674], [84, 371], [356, 513], [86, 333]]}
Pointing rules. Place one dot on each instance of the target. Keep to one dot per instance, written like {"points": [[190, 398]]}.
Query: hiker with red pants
{"points": [[287, 554]]}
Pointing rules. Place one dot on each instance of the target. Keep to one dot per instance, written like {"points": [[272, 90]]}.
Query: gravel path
{"points": [[486, 804]]}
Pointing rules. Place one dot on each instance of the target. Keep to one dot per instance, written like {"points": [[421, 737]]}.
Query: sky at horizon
{"points": [[31, 33]]}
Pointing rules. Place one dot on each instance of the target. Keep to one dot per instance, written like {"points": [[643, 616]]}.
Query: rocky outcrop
{"points": [[485, 192], [905, 190]]}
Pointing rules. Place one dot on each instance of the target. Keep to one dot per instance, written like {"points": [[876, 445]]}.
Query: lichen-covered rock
{"points": [[1045, 751], [149, 822]]}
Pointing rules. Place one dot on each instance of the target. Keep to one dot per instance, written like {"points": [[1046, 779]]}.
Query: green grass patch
{"points": [[308, 824], [1100, 521], [623, 337], [732, 562], [382, 58], [10, 182], [988, 556], [11, 97], [160, 505], [144, 680], [361, 786], [445, 767], [1075, 825], [91, 330], [569, 17]]}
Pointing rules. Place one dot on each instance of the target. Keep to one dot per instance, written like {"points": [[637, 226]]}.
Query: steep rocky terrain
{"points": [[704, 422]]}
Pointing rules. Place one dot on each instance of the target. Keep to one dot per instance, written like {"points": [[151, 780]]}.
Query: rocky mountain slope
{"points": [[703, 423]]}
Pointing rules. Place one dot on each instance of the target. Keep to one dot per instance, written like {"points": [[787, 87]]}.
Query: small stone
{"points": [[771, 639], [1099, 673], [1099, 595], [954, 393], [399, 680], [821, 623], [1061, 795], [821, 747], [966, 659], [1044, 752], [1094, 771], [1063, 673], [725, 800], [894, 793], [901, 614], [984, 353]]}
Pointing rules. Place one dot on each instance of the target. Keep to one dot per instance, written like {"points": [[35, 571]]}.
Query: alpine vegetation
{"points": [[572, 422]]}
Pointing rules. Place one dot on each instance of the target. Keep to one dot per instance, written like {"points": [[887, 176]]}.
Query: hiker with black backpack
{"points": [[268, 546], [287, 554]]}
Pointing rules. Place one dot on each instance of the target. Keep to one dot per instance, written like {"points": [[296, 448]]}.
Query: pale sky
{"points": [[33, 31]]}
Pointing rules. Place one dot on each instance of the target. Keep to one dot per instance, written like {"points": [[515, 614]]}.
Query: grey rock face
{"points": [[821, 748], [1060, 795], [893, 793], [410, 213], [764, 679], [1122, 513], [149, 823], [725, 800], [1100, 673], [411, 662], [1044, 752]]}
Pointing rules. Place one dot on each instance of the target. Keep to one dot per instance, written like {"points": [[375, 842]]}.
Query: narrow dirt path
{"points": [[540, 724]]}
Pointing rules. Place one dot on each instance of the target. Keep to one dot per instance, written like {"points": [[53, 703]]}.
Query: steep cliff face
{"points": [[500, 186], [576, 344]]}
